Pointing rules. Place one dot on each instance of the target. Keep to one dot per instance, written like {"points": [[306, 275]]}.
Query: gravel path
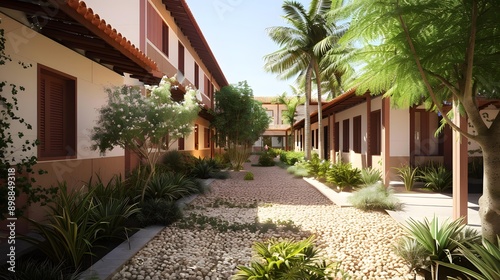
{"points": [[361, 241]]}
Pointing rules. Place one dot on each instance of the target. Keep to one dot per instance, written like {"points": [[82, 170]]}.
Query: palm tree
{"points": [[291, 104], [298, 56]]}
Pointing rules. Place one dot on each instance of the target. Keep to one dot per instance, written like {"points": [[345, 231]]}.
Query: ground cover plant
{"points": [[375, 197], [287, 259]]}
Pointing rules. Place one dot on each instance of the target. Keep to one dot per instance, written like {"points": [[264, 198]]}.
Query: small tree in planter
{"points": [[142, 123]]}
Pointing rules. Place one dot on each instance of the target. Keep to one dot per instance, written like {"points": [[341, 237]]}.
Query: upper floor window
{"points": [[180, 66], [164, 38], [56, 115], [196, 75], [270, 114]]}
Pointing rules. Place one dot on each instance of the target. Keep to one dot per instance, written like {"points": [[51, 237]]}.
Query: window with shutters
{"points": [[164, 38], [56, 115], [207, 137], [345, 136], [356, 134], [180, 66], [196, 76]]}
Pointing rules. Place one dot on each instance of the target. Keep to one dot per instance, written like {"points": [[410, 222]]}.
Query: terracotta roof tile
{"points": [[81, 8]]}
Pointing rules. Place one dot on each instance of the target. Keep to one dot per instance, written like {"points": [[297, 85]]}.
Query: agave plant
{"points": [[436, 178], [485, 258], [285, 259], [439, 240], [171, 186]]}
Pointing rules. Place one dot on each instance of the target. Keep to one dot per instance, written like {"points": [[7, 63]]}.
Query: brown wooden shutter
{"points": [[180, 65]]}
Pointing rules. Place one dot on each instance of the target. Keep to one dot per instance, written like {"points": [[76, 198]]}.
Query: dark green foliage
{"points": [[287, 259], [436, 177], [171, 186], [31, 269], [343, 175], [291, 157], [375, 197], [71, 230], [274, 152], [220, 175], [476, 168], [115, 188], [265, 159], [158, 212], [203, 168], [177, 161]]}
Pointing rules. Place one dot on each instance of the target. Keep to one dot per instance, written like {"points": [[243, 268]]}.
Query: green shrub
{"points": [[291, 157], [375, 197], [370, 176], [265, 159], [248, 176], [439, 240], [177, 161], [274, 152], [408, 175], [171, 186], [323, 169], [32, 269], [313, 165], [70, 231], [158, 212], [343, 175], [286, 259], [436, 178], [220, 175], [202, 169], [113, 214]]}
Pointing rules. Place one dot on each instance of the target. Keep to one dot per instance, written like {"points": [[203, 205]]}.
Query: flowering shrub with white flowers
{"points": [[146, 124]]}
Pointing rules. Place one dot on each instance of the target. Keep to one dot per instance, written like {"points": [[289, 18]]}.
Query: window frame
{"points": [[44, 112]]}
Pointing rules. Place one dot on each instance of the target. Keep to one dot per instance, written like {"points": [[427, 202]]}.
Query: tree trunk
{"points": [[489, 202], [307, 115], [320, 112]]}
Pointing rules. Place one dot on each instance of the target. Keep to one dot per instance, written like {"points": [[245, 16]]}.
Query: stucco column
{"points": [[460, 160], [386, 139]]}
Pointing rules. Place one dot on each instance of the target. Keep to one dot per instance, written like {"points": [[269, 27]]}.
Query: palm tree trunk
{"points": [[320, 112], [307, 115]]}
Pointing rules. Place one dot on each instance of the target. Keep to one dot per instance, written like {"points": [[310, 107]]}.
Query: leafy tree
{"points": [[291, 104], [17, 160], [146, 125], [298, 54], [239, 120], [432, 52]]}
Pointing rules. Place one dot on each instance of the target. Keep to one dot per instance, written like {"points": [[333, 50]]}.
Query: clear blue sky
{"points": [[236, 33]]}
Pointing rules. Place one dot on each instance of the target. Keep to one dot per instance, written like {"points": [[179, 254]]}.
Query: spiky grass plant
{"points": [[408, 175], [375, 197], [485, 258], [370, 176]]}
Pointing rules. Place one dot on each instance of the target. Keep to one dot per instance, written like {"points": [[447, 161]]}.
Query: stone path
{"points": [[361, 241]]}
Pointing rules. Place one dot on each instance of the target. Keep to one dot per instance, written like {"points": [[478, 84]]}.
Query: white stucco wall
{"points": [[91, 79], [123, 15], [399, 132]]}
